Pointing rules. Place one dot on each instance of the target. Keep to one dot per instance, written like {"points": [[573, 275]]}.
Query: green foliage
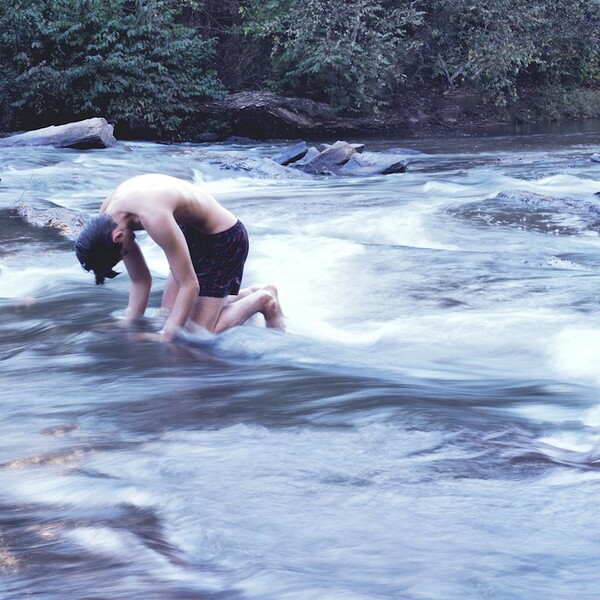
{"points": [[556, 103], [483, 45], [499, 47], [349, 54], [129, 61], [359, 55], [568, 42], [145, 63], [266, 19]]}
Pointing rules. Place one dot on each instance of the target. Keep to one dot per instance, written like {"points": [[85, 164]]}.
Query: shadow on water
{"points": [[42, 555], [16, 236]]}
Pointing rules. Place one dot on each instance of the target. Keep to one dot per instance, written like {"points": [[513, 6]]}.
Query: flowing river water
{"points": [[428, 428]]}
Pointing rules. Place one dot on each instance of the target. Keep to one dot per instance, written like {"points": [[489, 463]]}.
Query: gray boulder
{"points": [[374, 163], [311, 154], [292, 154], [330, 159], [343, 158]]}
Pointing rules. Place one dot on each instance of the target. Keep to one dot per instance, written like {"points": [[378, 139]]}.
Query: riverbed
{"points": [[427, 428]]}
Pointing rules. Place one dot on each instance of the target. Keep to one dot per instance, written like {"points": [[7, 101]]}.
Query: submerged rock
{"points": [[550, 202], [66, 221], [405, 151], [239, 162], [534, 212]]}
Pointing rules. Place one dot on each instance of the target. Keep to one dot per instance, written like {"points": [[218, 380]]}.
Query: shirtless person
{"points": [[205, 244]]}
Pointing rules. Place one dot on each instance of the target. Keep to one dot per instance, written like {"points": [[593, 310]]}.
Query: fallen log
{"points": [[90, 133]]}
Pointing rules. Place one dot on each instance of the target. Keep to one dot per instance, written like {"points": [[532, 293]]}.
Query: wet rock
{"points": [[239, 162], [529, 211], [330, 159], [343, 158], [47, 214], [90, 133], [240, 140], [310, 155], [374, 163], [292, 154]]}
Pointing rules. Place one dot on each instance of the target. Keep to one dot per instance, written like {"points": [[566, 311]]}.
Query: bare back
{"points": [[148, 198]]}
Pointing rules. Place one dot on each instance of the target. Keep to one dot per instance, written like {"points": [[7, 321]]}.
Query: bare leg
{"points": [[218, 314], [238, 309], [206, 312]]}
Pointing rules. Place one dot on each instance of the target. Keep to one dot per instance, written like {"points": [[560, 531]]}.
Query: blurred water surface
{"points": [[428, 428]]}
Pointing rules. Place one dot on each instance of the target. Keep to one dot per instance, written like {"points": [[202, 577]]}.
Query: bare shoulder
{"points": [[154, 199]]}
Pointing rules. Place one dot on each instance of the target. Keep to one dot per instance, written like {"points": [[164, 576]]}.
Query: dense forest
{"points": [[148, 65]]}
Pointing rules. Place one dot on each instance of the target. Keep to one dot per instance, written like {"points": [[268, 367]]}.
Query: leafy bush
{"points": [[499, 47], [144, 63], [128, 61], [349, 54]]}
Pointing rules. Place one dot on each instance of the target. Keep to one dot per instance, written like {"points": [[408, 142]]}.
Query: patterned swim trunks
{"points": [[218, 259]]}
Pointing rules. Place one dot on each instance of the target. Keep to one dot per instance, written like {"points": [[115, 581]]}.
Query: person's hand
{"points": [[155, 336]]}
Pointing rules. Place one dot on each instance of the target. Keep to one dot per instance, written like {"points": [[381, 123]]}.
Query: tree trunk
{"points": [[90, 133]]}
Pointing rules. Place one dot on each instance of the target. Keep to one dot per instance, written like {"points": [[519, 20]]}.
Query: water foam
{"points": [[574, 352]]}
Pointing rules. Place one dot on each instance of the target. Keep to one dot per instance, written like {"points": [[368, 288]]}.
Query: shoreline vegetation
{"points": [[193, 70]]}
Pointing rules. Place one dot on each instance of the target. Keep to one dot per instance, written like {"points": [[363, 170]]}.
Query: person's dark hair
{"points": [[96, 250]]}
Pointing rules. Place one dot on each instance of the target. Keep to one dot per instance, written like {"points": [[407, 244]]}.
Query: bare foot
{"points": [[274, 317]]}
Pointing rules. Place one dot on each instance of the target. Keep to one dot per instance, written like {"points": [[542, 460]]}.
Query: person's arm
{"points": [[166, 233], [141, 282]]}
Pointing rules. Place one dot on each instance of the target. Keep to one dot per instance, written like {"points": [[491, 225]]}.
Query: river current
{"points": [[427, 429]]}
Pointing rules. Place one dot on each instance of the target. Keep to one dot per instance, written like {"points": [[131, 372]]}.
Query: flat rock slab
{"points": [[579, 205], [374, 163], [67, 222], [238, 162], [292, 154], [90, 133]]}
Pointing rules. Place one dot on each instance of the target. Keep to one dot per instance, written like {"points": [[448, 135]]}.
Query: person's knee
{"points": [[269, 301]]}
